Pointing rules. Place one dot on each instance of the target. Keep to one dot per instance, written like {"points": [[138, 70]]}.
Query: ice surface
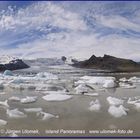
{"points": [[28, 100], [2, 122], [114, 101], [33, 110], [15, 113], [117, 111], [109, 84], [134, 79], [95, 105], [4, 103], [56, 97], [46, 116]]}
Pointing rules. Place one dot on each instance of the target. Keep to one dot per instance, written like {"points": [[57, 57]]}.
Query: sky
{"points": [[36, 29]]}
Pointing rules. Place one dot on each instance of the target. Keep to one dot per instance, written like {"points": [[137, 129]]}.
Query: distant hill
{"points": [[110, 63]]}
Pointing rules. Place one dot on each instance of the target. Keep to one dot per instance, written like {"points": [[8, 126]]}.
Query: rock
{"points": [[109, 64]]}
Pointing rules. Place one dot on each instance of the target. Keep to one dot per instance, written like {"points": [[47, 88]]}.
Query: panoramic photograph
{"points": [[69, 69]]}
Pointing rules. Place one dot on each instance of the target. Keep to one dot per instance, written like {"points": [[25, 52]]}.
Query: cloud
{"points": [[51, 29]]}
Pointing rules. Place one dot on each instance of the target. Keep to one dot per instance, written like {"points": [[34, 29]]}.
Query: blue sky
{"points": [[80, 29]]}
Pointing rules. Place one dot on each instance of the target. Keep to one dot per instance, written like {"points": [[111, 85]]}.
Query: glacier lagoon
{"points": [[60, 100]]}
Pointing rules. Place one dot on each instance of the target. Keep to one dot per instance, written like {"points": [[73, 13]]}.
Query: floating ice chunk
{"points": [[28, 99], [14, 98], [134, 79], [114, 101], [17, 81], [2, 93], [33, 110], [8, 73], [56, 92], [46, 75], [134, 102], [46, 116], [92, 94], [117, 111], [95, 105], [123, 79], [4, 103], [126, 85], [82, 88], [56, 97], [2, 122], [96, 79], [13, 134], [15, 113], [109, 84]]}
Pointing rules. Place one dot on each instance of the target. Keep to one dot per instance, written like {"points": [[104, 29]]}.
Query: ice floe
{"points": [[134, 79], [14, 98], [33, 110], [46, 116], [82, 88], [2, 122], [117, 111], [15, 113], [2, 93], [28, 99], [4, 103], [109, 84], [95, 105], [46, 75], [57, 97], [91, 94], [123, 79], [114, 101], [135, 102], [127, 85]]}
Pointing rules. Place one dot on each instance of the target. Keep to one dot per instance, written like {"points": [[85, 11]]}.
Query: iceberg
{"points": [[2, 122], [33, 110], [46, 75], [8, 73], [28, 99], [117, 111], [14, 98], [114, 101], [134, 79], [95, 105], [92, 94], [109, 84], [126, 85], [46, 116], [56, 97], [4, 103], [82, 88], [15, 113]]}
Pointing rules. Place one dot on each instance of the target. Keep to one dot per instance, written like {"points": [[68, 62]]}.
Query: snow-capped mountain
{"points": [[11, 63]]}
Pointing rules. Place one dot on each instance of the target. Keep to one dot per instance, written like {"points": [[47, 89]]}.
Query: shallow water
{"points": [[74, 115]]}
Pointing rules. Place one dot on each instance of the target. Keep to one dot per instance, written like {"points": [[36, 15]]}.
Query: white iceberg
{"points": [[82, 88], [97, 79], [134, 79], [2, 122], [126, 85], [46, 116], [47, 76], [117, 111], [123, 79], [32, 110], [114, 101], [2, 93], [28, 99], [134, 102], [109, 84], [92, 94], [56, 97], [95, 105], [17, 81], [4, 103], [15, 113], [14, 98]]}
